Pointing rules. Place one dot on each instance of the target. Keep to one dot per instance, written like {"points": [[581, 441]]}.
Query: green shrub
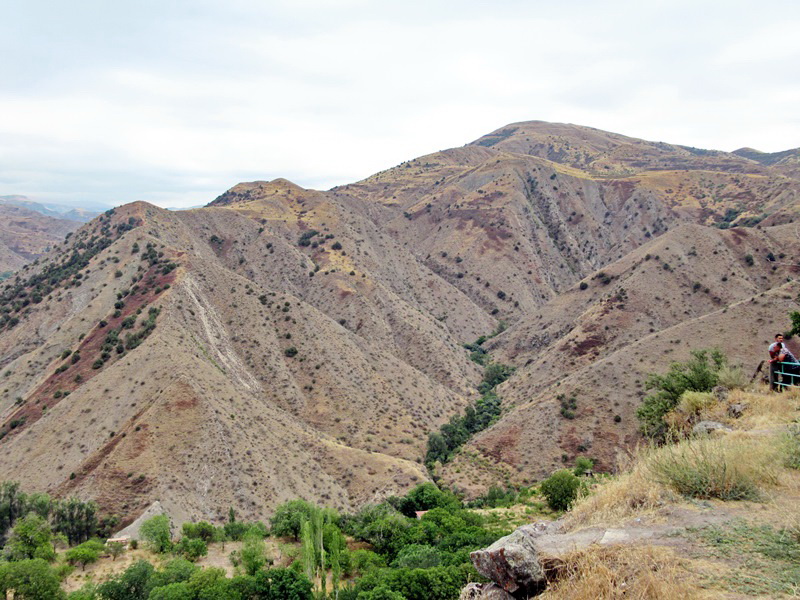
{"points": [[733, 378], [727, 469], [582, 464], [699, 374], [691, 403], [561, 489], [191, 548]]}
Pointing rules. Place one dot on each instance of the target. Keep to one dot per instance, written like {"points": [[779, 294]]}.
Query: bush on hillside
{"points": [[725, 468], [698, 374], [582, 464], [561, 489], [733, 378]]}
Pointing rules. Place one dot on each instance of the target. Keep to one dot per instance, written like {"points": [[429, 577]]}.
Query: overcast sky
{"points": [[174, 102]]}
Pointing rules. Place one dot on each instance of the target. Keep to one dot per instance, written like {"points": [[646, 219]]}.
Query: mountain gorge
{"points": [[284, 342]]}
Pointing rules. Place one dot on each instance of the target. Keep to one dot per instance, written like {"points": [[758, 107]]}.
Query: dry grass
{"points": [[632, 493], [767, 410], [643, 573], [733, 467]]}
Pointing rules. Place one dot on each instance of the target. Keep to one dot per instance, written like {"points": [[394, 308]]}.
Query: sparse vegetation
{"points": [[699, 374], [486, 410], [707, 467]]}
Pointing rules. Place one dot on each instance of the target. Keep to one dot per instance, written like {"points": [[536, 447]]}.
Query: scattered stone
{"points": [[484, 591], [735, 411], [721, 393], [706, 427]]}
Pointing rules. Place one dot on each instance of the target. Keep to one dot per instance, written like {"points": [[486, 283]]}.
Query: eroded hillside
{"points": [[285, 342]]}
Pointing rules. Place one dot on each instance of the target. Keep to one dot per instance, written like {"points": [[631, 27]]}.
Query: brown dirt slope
{"points": [[285, 342]]}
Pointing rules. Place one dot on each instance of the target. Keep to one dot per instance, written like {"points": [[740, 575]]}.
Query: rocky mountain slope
{"points": [[285, 342], [27, 234]]}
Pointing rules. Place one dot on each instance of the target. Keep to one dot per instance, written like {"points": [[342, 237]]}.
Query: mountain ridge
{"points": [[284, 342]]}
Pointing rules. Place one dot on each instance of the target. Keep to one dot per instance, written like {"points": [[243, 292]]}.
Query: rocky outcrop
{"points": [[521, 564], [513, 561]]}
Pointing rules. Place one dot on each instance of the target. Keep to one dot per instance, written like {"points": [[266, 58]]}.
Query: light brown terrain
{"points": [[279, 369], [26, 234]]}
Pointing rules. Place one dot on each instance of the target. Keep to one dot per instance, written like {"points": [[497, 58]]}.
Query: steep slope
{"points": [[235, 347], [285, 342], [692, 288]]}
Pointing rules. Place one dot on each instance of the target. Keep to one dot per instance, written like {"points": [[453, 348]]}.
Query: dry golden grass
{"points": [[766, 410], [605, 573], [743, 464], [632, 493], [731, 467]]}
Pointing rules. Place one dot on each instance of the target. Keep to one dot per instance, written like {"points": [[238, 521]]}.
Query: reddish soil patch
{"points": [[89, 349], [624, 189], [501, 447], [588, 344], [738, 234]]}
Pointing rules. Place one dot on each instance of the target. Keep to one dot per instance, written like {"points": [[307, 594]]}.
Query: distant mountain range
{"points": [[81, 214], [284, 342]]}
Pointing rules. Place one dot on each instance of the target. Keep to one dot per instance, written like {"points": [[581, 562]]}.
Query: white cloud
{"points": [[183, 103]]}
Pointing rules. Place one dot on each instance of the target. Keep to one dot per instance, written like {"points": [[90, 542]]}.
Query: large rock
{"points": [[512, 562], [132, 530]]}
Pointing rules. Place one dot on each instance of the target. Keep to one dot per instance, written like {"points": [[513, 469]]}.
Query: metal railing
{"points": [[784, 374]]}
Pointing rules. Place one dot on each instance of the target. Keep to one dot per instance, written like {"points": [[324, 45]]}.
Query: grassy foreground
{"points": [[734, 498]]}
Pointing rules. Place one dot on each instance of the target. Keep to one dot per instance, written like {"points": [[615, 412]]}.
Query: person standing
{"points": [[782, 361]]}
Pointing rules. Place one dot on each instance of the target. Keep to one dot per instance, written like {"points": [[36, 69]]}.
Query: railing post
{"points": [[773, 379]]}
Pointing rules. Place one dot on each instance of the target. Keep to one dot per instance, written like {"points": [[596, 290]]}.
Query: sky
{"points": [[175, 102]]}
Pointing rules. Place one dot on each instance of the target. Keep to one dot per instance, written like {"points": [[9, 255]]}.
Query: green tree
{"points": [[133, 584], [12, 506], [289, 517], [156, 531], [75, 518], [85, 553], [253, 555], [30, 538], [115, 549], [30, 579], [418, 556], [235, 530], [172, 591], [382, 592], [203, 530], [561, 489], [177, 570], [282, 584], [191, 548]]}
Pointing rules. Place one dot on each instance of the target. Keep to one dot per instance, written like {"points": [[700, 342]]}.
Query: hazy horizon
{"points": [[175, 104]]}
